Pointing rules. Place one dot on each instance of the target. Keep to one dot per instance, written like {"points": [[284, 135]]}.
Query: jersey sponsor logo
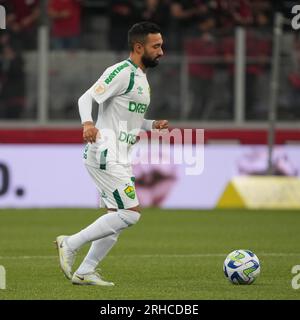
{"points": [[137, 107], [127, 137], [130, 192], [99, 88], [115, 72]]}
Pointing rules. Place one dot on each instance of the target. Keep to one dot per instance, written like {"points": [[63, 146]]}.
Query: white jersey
{"points": [[123, 95]]}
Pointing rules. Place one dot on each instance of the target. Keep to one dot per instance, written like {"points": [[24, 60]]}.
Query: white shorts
{"points": [[116, 186]]}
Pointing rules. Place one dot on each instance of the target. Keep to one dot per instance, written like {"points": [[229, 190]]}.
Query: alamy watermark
{"points": [[154, 147], [296, 279], [2, 278], [296, 19], [2, 18]]}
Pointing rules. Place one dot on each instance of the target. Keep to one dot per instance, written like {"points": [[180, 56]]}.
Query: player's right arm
{"points": [[113, 82], [85, 104]]}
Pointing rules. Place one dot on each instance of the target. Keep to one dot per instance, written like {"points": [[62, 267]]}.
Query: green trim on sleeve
{"points": [[131, 83], [115, 72]]}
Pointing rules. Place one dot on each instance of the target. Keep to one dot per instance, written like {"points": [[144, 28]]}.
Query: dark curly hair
{"points": [[139, 31]]}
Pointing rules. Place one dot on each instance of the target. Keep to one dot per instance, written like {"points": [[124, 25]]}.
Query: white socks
{"points": [[106, 225], [97, 252], [104, 233]]}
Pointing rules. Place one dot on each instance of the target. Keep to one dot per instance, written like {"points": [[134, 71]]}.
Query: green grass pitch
{"points": [[169, 254]]}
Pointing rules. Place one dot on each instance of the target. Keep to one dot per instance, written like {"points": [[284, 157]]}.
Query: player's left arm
{"points": [[148, 125], [160, 124]]}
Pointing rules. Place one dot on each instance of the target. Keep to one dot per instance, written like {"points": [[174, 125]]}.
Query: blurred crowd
{"points": [[177, 18], [196, 28]]}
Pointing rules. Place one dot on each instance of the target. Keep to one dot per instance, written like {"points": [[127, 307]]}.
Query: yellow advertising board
{"points": [[261, 192]]}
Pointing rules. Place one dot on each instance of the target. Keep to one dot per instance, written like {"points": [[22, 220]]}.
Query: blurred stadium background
{"points": [[226, 69]]}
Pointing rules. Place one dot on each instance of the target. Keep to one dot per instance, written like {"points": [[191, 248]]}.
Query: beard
{"points": [[148, 62]]}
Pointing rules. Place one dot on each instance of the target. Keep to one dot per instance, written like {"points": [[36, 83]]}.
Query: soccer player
{"points": [[123, 95]]}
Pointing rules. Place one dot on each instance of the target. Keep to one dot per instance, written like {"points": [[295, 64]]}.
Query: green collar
{"points": [[136, 66]]}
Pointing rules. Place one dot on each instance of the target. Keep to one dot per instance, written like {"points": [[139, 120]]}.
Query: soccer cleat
{"points": [[66, 256], [92, 278]]}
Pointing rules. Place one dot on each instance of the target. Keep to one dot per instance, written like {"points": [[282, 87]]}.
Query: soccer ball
{"points": [[241, 267]]}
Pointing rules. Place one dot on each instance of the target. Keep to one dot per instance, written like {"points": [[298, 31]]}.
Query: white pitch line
{"points": [[199, 255], [26, 257]]}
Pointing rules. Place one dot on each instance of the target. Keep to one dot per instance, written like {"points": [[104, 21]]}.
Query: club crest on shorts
{"points": [[130, 192]]}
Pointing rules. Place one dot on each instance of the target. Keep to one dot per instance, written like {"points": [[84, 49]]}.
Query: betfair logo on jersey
{"points": [[137, 107], [115, 72], [127, 137], [130, 192]]}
